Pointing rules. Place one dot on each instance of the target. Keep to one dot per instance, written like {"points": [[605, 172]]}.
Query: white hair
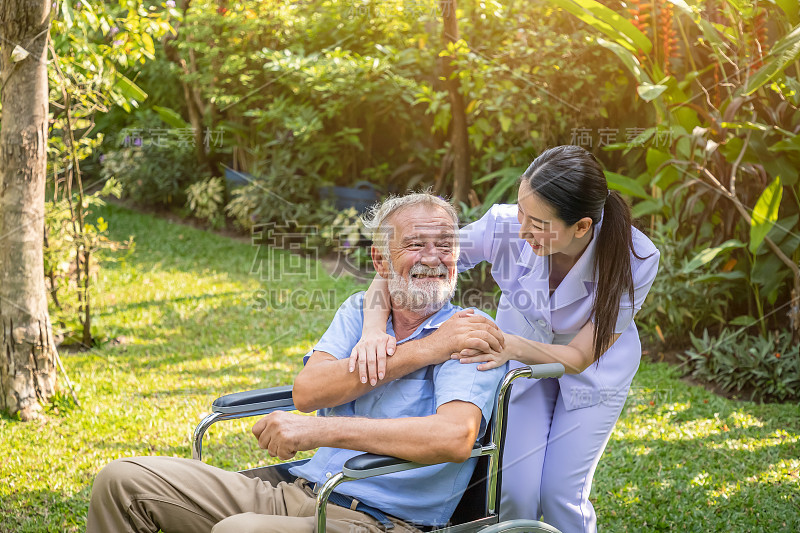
{"points": [[377, 219]]}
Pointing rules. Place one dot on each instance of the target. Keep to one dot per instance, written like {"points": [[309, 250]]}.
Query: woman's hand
{"points": [[467, 331], [477, 350], [492, 359], [370, 355]]}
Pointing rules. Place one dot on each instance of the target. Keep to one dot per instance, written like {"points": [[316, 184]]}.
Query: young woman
{"points": [[573, 273]]}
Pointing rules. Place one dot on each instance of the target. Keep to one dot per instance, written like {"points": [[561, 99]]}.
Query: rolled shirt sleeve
{"points": [[455, 381], [345, 329]]}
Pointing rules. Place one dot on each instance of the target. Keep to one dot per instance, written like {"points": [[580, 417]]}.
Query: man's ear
{"points": [[381, 265], [582, 226]]}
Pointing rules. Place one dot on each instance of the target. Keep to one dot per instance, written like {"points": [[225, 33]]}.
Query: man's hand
{"points": [[284, 434], [467, 331]]}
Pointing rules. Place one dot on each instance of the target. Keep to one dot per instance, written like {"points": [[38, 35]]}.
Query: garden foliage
{"points": [[691, 105], [93, 47], [721, 81]]}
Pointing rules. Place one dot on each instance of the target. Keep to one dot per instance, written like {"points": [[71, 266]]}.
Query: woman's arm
{"points": [[375, 345], [576, 356]]}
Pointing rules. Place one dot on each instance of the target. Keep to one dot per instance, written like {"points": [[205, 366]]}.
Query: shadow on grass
{"points": [[113, 309]]}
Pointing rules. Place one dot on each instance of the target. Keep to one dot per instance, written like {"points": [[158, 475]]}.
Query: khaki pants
{"points": [[145, 494]]}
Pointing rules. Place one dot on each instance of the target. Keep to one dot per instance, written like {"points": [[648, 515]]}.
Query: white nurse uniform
{"points": [[557, 429]]}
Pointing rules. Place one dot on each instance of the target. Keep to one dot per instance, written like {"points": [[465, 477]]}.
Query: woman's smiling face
{"points": [[541, 228]]}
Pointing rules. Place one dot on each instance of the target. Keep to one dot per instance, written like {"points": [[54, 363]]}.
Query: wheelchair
{"points": [[478, 509]]}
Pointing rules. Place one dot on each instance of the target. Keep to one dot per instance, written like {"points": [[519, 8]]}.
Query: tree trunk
{"points": [[27, 369], [459, 138], [190, 94]]}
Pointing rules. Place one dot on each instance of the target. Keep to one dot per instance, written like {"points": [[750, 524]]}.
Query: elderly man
{"points": [[428, 409]]}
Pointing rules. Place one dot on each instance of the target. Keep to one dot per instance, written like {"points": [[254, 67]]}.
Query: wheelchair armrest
{"points": [[275, 398], [370, 465], [241, 405]]}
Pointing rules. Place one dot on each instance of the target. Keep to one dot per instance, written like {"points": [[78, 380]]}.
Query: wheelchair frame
{"points": [[263, 401]]}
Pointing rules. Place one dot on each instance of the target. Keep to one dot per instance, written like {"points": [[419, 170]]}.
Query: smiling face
{"points": [[543, 230], [421, 267]]}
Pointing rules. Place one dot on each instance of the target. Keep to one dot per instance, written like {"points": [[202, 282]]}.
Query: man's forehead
{"points": [[428, 227], [422, 231]]}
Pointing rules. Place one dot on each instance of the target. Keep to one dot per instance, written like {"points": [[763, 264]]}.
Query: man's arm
{"points": [[455, 425], [326, 381]]}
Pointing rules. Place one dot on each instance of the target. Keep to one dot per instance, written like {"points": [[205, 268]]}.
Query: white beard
{"points": [[422, 296]]}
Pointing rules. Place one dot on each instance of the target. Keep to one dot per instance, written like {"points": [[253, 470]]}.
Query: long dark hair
{"points": [[571, 180]]}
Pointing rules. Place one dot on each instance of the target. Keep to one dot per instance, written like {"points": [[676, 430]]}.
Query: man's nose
{"points": [[430, 256]]}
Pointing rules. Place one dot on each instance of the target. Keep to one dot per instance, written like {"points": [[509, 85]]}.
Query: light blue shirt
{"points": [[427, 495]]}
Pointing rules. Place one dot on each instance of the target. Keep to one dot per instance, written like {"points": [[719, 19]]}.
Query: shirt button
{"points": [[542, 322], [328, 474]]}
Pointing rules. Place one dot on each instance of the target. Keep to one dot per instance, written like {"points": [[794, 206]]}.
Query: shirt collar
{"points": [[432, 322]]}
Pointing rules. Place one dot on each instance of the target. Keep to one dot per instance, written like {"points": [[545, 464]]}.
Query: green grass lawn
{"points": [[194, 325]]}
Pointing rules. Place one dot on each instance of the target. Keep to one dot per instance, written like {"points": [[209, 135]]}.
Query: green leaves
{"points": [[792, 10], [709, 254], [607, 21], [504, 189], [785, 52], [628, 58], [625, 185], [649, 92], [170, 117], [129, 89], [765, 213], [66, 10]]}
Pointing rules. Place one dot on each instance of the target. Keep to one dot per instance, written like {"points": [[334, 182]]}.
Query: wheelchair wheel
{"points": [[520, 526]]}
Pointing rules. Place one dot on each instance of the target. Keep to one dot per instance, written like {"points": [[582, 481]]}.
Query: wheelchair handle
{"points": [[546, 370]]}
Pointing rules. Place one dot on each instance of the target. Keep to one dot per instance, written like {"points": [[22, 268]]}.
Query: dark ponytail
{"points": [[571, 180], [612, 269]]}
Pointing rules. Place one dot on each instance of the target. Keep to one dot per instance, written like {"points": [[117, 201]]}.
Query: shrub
{"points": [[721, 159], [349, 239], [282, 192], [768, 367], [72, 257], [152, 174], [153, 165], [685, 299], [205, 199]]}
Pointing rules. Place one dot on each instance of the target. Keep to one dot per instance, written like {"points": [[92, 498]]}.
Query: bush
{"points": [[684, 299], [767, 367], [281, 192], [720, 160], [152, 168], [72, 257], [206, 199], [349, 239], [152, 174]]}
